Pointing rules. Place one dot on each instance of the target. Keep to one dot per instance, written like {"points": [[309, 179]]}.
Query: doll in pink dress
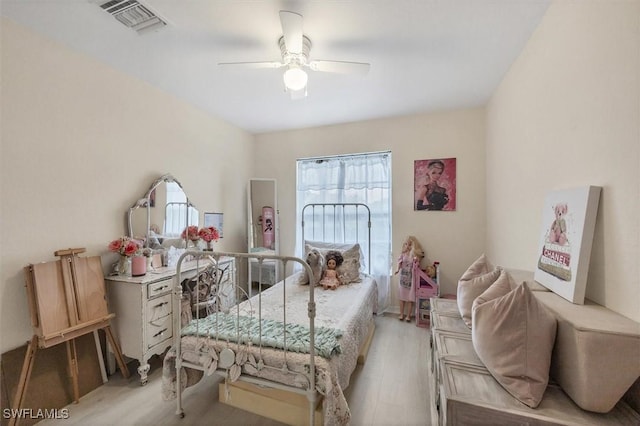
{"points": [[411, 252], [330, 276]]}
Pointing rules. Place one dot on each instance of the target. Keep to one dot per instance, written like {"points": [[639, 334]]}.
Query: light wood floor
{"points": [[390, 389]]}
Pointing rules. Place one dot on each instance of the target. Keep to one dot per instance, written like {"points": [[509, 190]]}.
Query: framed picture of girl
{"points": [[434, 184]]}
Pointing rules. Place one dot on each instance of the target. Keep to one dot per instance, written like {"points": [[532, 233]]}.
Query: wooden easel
{"points": [[67, 299]]}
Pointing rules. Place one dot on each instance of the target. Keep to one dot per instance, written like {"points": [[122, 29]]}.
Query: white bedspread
{"points": [[350, 309]]}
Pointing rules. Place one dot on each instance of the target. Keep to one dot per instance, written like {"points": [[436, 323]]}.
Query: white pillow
{"points": [[514, 335], [324, 247], [468, 290], [479, 267], [349, 271]]}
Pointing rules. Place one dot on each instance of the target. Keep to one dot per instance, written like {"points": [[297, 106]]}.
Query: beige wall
{"points": [[80, 143], [453, 238], [568, 114]]}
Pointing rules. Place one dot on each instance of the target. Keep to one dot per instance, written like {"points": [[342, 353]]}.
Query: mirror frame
{"points": [[251, 224], [145, 201]]}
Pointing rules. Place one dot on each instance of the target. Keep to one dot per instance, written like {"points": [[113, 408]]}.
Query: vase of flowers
{"points": [[148, 253], [209, 234], [190, 233], [125, 247]]}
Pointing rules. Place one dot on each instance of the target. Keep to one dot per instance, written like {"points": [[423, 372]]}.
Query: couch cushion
{"points": [[501, 286], [514, 336], [468, 290], [597, 352], [479, 267]]}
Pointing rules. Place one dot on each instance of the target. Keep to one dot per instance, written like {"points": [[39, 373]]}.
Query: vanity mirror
{"points": [[162, 213]]}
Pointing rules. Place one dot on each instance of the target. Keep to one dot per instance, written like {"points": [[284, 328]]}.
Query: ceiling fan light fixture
{"points": [[295, 78]]}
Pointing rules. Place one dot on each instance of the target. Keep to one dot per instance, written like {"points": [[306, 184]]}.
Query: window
{"points": [[176, 211], [360, 178]]}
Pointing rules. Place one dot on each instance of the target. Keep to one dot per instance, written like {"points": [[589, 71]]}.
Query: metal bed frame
{"points": [[338, 213], [208, 258]]}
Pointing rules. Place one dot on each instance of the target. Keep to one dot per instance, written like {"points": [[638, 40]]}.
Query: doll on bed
{"points": [[330, 279]]}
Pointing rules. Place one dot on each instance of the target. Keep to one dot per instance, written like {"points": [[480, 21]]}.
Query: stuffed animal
{"points": [[558, 231], [431, 271], [315, 260]]}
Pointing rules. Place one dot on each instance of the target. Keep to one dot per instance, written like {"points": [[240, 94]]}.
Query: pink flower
{"points": [[124, 246], [115, 245], [191, 232], [130, 248], [209, 234]]}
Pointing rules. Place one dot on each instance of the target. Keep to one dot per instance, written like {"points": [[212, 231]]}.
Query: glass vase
{"points": [[124, 265], [209, 246]]}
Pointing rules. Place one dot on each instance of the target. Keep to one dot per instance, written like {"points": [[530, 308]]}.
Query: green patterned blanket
{"points": [[248, 329]]}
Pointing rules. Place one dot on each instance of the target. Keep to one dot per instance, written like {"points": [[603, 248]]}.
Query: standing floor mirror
{"points": [[263, 232]]}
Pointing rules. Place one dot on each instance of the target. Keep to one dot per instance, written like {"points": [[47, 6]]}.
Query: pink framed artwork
{"points": [[564, 250], [434, 184]]}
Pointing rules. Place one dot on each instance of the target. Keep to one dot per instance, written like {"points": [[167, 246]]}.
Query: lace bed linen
{"points": [[349, 309]]}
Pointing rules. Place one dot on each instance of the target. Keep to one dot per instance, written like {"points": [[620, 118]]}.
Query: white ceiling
{"points": [[425, 55]]}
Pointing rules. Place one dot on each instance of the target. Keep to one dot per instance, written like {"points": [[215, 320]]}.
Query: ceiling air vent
{"points": [[133, 14]]}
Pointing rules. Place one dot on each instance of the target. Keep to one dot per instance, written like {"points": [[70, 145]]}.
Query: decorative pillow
{"points": [[470, 289], [514, 336], [324, 247], [501, 286], [479, 267], [349, 271]]}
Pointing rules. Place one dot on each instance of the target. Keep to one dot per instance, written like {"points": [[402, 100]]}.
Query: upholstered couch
{"points": [[593, 361]]}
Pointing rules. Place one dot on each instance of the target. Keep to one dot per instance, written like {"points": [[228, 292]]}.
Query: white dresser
{"points": [[144, 309]]}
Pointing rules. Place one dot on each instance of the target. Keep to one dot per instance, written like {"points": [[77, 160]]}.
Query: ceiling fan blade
{"points": [[265, 64], [342, 67], [292, 30]]}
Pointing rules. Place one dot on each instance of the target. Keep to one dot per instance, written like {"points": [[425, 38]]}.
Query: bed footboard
{"points": [[236, 342]]}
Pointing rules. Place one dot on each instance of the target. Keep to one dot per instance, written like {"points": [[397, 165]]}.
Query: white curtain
{"points": [[362, 178]]}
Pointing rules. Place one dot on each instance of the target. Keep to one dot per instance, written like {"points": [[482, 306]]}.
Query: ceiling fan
{"points": [[295, 47]]}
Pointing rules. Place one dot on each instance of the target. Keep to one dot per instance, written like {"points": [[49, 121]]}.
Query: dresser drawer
{"points": [[159, 331], [160, 288], [159, 325]]}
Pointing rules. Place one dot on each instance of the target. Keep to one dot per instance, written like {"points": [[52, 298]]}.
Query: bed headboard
{"points": [[338, 223]]}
